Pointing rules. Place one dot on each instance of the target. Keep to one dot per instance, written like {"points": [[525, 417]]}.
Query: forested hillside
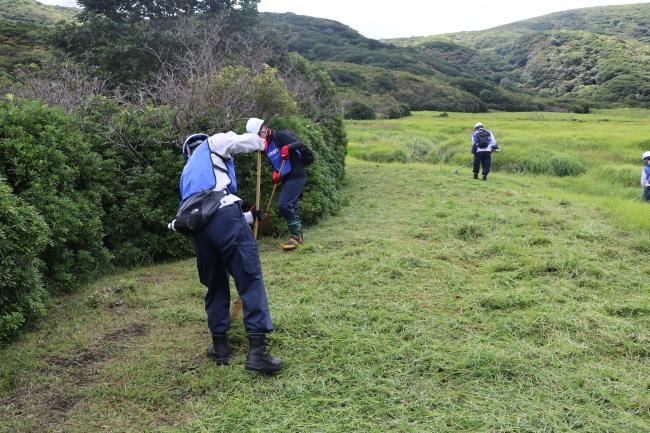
{"points": [[33, 12], [21, 32], [597, 55], [566, 61], [385, 79]]}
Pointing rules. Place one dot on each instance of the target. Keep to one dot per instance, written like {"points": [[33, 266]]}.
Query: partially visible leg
{"points": [[487, 163], [213, 274], [239, 251], [477, 162], [646, 194], [290, 194]]}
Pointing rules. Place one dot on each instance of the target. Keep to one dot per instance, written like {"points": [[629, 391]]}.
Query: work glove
{"points": [[276, 177], [258, 214], [285, 152]]}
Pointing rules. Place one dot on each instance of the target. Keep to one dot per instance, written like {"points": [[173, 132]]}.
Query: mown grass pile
{"points": [[431, 303]]}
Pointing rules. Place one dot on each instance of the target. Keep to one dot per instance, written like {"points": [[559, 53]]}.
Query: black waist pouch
{"points": [[196, 212]]}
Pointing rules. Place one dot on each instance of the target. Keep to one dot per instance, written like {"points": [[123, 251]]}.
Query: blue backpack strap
{"points": [[229, 170]]}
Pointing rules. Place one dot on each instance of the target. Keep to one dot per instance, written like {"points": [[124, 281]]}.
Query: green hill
{"points": [[33, 12], [562, 61], [600, 55], [383, 75], [21, 27], [627, 21]]}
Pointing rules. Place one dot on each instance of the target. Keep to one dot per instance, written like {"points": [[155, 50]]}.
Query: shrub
{"points": [[625, 175], [419, 150], [141, 165], [23, 237], [385, 156], [50, 165], [359, 111], [344, 77], [398, 111]]}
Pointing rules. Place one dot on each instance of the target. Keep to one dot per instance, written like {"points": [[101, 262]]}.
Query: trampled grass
{"points": [[431, 303]]}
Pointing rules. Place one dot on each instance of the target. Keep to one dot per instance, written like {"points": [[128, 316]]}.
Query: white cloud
{"points": [[69, 3]]}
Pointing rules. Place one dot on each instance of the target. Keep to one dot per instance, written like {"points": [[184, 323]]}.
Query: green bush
{"points": [[360, 111], [23, 237], [50, 165], [141, 166], [385, 156], [399, 111]]}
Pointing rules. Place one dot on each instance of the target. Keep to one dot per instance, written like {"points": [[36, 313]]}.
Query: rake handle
{"points": [[268, 206], [258, 192]]}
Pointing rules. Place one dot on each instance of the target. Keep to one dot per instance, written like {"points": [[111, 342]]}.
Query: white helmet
{"points": [[646, 155], [192, 143], [478, 125], [254, 125]]}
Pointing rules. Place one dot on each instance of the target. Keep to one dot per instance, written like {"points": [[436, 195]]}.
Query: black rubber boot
{"points": [[475, 175], [484, 177], [219, 350], [259, 359]]}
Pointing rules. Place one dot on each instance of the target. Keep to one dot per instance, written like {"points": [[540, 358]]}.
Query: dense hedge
{"points": [[23, 237], [50, 165], [141, 163]]}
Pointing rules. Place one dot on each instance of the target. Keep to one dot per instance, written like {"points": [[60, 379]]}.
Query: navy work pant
{"points": [[646, 194], [289, 196], [226, 246], [484, 159]]}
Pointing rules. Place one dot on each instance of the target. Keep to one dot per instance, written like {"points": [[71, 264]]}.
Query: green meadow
{"points": [[431, 303], [594, 157]]}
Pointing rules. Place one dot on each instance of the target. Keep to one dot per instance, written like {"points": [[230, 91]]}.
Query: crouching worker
{"points": [[483, 144], [223, 242], [288, 155], [645, 177]]}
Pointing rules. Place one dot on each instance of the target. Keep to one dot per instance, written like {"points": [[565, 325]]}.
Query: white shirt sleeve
{"points": [[229, 143], [644, 180]]}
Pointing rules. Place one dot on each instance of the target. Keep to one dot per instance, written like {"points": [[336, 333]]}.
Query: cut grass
{"points": [[431, 303]]}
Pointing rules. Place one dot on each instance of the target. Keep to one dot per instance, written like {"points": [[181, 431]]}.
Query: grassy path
{"points": [[432, 303]]}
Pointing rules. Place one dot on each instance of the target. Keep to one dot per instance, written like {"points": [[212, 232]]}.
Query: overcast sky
{"points": [[401, 18]]}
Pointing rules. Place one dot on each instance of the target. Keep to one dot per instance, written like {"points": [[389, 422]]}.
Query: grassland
{"points": [[593, 157], [433, 302]]}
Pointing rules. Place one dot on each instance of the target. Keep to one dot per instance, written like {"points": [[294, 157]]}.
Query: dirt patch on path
{"points": [[46, 403]]}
